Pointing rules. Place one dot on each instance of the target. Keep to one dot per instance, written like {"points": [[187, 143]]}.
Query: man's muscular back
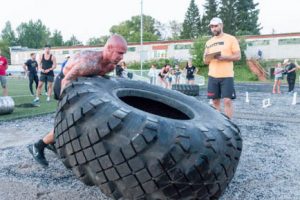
{"points": [[85, 63], [89, 63]]}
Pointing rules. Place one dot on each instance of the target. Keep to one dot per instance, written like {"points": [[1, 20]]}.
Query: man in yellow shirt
{"points": [[220, 52]]}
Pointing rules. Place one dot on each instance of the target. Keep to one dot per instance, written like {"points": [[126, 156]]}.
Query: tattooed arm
{"points": [[79, 67]]}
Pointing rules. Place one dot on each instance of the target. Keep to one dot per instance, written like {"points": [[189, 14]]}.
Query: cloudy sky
{"points": [[93, 18]]}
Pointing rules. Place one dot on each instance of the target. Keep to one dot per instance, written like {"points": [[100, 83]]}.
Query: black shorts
{"points": [[46, 78], [220, 88], [190, 78], [57, 85], [161, 76]]}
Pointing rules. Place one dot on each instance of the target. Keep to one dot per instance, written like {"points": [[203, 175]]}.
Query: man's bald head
{"points": [[114, 49], [116, 40]]}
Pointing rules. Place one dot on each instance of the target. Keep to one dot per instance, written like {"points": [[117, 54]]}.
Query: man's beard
{"points": [[216, 33]]}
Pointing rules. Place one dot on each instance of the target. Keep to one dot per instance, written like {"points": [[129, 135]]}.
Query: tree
{"points": [[56, 39], [228, 14], [210, 11], [175, 29], [198, 50], [243, 47], [33, 34], [192, 22], [9, 35], [130, 29], [73, 41], [4, 46], [97, 41], [247, 18]]}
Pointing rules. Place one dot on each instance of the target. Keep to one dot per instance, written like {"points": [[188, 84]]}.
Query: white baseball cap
{"points": [[215, 21], [286, 61]]}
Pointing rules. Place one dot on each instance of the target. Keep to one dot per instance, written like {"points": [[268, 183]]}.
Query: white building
{"points": [[274, 46]]}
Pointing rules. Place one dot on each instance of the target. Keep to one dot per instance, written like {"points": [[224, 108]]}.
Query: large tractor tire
{"points": [[7, 105], [139, 141], [191, 90]]}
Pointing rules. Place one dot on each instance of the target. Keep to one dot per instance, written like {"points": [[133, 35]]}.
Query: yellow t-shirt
{"points": [[227, 45]]}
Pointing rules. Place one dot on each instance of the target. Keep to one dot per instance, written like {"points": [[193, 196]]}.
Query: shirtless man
{"points": [[86, 63]]}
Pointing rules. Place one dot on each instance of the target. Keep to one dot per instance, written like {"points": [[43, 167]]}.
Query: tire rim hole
{"points": [[154, 107]]}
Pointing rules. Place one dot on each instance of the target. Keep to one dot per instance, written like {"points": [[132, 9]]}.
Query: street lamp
{"points": [[141, 52]]}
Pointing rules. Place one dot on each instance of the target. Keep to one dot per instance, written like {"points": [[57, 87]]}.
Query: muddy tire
{"points": [[191, 90], [139, 141]]}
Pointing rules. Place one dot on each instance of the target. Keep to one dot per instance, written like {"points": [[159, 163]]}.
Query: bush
{"points": [[159, 63], [198, 50]]}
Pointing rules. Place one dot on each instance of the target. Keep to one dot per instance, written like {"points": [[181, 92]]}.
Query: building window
{"points": [[258, 43], [65, 52], [289, 41], [182, 46], [75, 51], [131, 49], [160, 54]]}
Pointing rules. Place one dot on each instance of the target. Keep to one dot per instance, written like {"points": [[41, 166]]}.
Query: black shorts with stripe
{"points": [[220, 88]]}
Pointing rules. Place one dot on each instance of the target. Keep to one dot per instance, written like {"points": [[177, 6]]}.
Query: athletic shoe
{"points": [[36, 100], [52, 148], [38, 155], [48, 98]]}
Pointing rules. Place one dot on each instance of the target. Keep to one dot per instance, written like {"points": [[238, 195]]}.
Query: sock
{"points": [[40, 145]]}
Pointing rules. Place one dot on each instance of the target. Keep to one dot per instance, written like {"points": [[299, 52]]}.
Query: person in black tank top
{"points": [[163, 75], [190, 71], [47, 64]]}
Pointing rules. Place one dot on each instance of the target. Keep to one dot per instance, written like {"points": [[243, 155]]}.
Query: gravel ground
{"points": [[269, 167]]}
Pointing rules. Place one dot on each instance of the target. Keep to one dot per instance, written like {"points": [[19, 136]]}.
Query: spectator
{"points": [[169, 77], [278, 77], [65, 62], [3, 68], [259, 53], [163, 75], [190, 71], [152, 74], [31, 68], [122, 71], [119, 70], [177, 74], [46, 64], [290, 71]]}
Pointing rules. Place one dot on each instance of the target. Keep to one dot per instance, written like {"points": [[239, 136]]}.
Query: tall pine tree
{"points": [[228, 14], [247, 18], [191, 27], [210, 11], [9, 35]]}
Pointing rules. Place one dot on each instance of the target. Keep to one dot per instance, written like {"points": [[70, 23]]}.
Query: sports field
{"points": [[18, 89]]}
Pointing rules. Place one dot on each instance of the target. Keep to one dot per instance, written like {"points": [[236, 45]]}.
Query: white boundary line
{"points": [[294, 102], [247, 97]]}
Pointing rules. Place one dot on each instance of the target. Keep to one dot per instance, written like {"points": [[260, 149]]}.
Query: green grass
{"points": [[19, 90], [241, 74]]}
